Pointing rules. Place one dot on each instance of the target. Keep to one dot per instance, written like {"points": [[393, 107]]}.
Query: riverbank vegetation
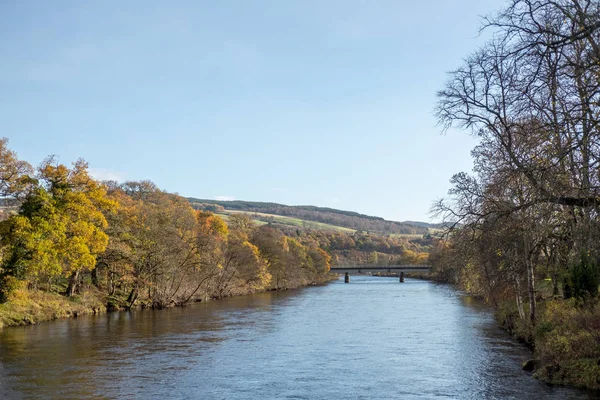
{"points": [[526, 222], [71, 245]]}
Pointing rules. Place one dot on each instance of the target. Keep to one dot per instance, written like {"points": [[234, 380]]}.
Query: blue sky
{"points": [[317, 102]]}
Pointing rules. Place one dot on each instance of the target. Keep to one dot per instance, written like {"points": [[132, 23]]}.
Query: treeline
{"points": [[134, 244], [367, 248], [357, 247], [526, 231], [347, 219]]}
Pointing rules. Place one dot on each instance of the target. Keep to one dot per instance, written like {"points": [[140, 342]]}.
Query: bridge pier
{"points": [[347, 278], [401, 276]]}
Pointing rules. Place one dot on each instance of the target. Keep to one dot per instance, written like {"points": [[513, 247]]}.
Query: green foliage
{"points": [[567, 344], [8, 286], [584, 278]]}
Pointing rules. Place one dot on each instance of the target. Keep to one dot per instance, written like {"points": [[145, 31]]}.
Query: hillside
{"points": [[321, 215], [427, 224]]}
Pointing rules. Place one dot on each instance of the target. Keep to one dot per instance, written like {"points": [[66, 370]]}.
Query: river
{"points": [[371, 339]]}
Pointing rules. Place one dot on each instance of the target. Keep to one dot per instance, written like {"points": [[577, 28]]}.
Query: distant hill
{"points": [[426, 224], [325, 215]]}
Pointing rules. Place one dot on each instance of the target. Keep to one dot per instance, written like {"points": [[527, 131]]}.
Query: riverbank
{"points": [[30, 307], [565, 341]]}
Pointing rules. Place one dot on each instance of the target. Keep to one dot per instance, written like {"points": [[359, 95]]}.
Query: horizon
{"points": [[321, 103]]}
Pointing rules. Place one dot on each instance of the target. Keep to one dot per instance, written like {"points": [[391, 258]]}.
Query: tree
{"points": [[539, 77], [531, 95], [59, 229], [15, 175], [373, 258], [584, 278]]}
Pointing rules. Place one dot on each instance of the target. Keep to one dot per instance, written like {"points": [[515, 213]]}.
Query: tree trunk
{"points": [[530, 283], [555, 291], [531, 293], [111, 284], [518, 298], [95, 277], [133, 295], [73, 283]]}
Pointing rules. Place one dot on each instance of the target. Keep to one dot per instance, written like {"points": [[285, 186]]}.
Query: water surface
{"points": [[371, 339]]}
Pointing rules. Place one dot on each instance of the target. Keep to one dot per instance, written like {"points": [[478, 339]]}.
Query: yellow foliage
{"points": [[211, 224], [60, 227]]}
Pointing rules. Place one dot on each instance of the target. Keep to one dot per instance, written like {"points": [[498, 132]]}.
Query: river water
{"points": [[371, 339]]}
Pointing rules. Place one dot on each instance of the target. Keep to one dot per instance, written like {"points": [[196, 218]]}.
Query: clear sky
{"points": [[317, 102]]}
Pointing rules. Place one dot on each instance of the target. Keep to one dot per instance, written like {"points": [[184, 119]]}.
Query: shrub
{"points": [[8, 286], [583, 279]]}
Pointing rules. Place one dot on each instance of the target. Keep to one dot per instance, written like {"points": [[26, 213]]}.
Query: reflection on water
{"points": [[373, 338]]}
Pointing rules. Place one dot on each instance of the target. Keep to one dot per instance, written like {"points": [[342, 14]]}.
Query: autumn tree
{"points": [[165, 245], [16, 176], [59, 229]]}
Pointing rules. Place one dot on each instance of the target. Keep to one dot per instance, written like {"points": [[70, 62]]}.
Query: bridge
{"points": [[367, 269]]}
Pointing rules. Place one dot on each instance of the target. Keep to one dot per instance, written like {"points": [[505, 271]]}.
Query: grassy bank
{"points": [[565, 340], [29, 307]]}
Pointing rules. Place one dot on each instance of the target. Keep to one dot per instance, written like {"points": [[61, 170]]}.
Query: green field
{"points": [[407, 235], [259, 218], [264, 218]]}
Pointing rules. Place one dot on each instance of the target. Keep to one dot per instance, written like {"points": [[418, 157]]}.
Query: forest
{"points": [[70, 244], [525, 224]]}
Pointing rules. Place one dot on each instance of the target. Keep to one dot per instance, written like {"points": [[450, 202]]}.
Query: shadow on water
{"points": [[371, 338]]}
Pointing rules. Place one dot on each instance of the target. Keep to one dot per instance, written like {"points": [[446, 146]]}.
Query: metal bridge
{"points": [[366, 269]]}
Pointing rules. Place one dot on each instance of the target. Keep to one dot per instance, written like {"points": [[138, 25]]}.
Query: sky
{"points": [[314, 102]]}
